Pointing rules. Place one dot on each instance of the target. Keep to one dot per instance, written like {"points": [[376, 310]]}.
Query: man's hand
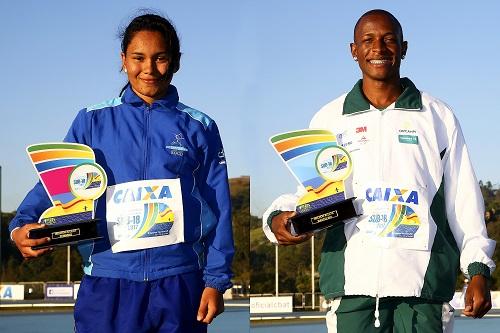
{"points": [[281, 228], [477, 297], [211, 305], [24, 244]]}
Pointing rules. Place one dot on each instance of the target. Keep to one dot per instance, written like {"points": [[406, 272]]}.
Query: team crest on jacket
{"points": [[177, 147]]}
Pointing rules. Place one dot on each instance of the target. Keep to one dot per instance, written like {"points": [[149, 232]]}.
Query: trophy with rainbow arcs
{"points": [[73, 181], [321, 166]]}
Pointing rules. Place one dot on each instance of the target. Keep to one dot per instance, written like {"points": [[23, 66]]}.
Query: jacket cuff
{"points": [[478, 268], [271, 216], [12, 239], [14, 224], [219, 287]]}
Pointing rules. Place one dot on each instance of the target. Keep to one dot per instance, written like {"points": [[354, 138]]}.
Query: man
{"points": [[410, 161]]}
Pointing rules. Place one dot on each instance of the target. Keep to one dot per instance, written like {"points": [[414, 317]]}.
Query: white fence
{"points": [[458, 300], [303, 301], [38, 290]]}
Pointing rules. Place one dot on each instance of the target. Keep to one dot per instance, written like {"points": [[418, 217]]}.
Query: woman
{"points": [[146, 135]]}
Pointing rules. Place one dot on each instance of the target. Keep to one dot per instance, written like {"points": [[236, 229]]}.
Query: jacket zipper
{"points": [[379, 140], [147, 115]]}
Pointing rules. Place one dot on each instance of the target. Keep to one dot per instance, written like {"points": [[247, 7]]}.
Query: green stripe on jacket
{"points": [[331, 266], [442, 270]]}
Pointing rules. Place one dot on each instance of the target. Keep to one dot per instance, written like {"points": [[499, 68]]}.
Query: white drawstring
{"points": [[377, 321]]}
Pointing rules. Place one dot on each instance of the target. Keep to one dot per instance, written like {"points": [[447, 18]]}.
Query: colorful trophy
{"points": [[321, 166], [73, 181]]}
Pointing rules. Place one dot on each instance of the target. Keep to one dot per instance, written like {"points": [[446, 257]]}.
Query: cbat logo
{"points": [[361, 129], [178, 138], [391, 194], [141, 193]]}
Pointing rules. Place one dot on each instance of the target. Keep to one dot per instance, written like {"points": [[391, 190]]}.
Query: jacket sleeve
{"points": [[284, 203], [33, 205], [465, 208], [219, 246], [37, 200]]}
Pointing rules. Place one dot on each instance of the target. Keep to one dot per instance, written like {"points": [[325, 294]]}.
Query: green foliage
{"points": [[294, 268], [491, 197], [240, 200]]}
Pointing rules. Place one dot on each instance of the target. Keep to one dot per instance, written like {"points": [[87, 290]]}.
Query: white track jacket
{"points": [[423, 212]]}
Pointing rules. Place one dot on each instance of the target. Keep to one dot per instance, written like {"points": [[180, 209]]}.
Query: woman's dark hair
{"points": [[154, 22]]}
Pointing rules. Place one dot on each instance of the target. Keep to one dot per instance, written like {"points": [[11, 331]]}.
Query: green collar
{"points": [[410, 98]]}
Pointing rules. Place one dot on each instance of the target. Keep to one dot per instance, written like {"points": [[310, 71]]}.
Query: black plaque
{"points": [[67, 234], [324, 217]]}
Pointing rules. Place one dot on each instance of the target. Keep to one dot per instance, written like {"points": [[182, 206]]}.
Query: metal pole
{"points": [[312, 271], [68, 267], [276, 268], [1, 262]]}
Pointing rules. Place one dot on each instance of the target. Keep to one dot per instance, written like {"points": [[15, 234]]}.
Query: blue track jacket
{"points": [[133, 141]]}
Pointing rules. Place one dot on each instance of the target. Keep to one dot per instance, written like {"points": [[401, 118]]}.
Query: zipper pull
{"points": [[377, 314]]}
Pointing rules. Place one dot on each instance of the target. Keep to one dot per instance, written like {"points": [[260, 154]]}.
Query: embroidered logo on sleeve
{"points": [[222, 156]]}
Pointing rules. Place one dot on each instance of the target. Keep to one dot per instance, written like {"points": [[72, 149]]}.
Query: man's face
{"points": [[378, 46]]}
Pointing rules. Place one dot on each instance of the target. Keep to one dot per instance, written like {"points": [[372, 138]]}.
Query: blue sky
{"points": [[257, 67]]}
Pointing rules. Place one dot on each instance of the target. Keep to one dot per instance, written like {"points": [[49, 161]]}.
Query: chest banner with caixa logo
{"points": [[144, 214], [396, 216]]}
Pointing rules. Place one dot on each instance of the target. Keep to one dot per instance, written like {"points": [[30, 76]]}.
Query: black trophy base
{"points": [[66, 234], [324, 217]]}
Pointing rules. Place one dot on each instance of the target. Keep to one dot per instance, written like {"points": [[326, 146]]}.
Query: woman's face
{"points": [[146, 62]]}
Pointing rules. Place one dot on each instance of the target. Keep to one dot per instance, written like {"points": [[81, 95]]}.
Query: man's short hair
{"points": [[383, 12]]}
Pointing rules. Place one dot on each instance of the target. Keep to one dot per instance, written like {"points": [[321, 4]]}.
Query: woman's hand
{"points": [[24, 244], [211, 305]]}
